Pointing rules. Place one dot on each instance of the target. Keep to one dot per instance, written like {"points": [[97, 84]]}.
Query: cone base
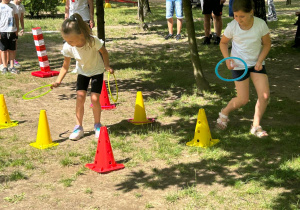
{"points": [[112, 106], [9, 125], [100, 169], [44, 74], [149, 120], [194, 143], [39, 146]]}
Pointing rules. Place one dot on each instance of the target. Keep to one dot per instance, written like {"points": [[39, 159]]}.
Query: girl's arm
{"points": [[224, 49], [105, 57], [67, 7], [62, 73], [91, 7], [266, 42]]}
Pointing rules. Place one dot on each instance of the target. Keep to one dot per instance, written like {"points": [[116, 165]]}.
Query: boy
{"points": [[9, 28], [21, 12]]}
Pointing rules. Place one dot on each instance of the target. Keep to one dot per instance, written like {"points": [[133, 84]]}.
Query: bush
{"points": [[34, 7]]}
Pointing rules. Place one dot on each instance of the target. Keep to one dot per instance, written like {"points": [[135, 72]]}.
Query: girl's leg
{"points": [[261, 84], [242, 98], [96, 107], [81, 96]]}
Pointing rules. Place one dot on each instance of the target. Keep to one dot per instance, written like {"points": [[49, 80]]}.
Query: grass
{"points": [[161, 171]]}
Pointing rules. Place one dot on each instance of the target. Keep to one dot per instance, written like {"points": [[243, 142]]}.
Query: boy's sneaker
{"points": [[206, 41], [168, 36], [77, 133], [177, 37], [13, 70], [217, 40], [97, 130], [4, 70], [270, 19], [16, 64]]}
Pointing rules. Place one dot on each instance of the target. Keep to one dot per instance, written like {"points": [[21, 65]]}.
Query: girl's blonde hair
{"points": [[75, 25]]}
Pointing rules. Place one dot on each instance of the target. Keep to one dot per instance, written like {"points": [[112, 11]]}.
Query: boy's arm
{"points": [[105, 57], [67, 7], [62, 73], [266, 42], [91, 8], [22, 24], [17, 23]]}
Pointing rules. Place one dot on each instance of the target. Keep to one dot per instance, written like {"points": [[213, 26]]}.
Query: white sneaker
{"points": [[77, 133], [1, 67], [97, 130]]}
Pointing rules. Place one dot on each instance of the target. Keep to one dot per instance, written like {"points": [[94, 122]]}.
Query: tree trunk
{"points": [[260, 9], [100, 20], [288, 2], [143, 25], [201, 82], [146, 8]]}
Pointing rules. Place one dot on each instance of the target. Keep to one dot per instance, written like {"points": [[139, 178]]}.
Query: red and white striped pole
{"points": [[42, 55]]}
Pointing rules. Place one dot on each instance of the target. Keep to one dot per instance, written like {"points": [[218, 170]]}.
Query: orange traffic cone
{"points": [[104, 100], [104, 158], [139, 112], [43, 137], [5, 121]]}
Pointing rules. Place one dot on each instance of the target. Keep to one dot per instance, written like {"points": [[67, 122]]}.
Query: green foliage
{"points": [[36, 6]]}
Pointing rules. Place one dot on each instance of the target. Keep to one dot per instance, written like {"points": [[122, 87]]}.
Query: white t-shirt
{"points": [[20, 8], [246, 44], [89, 61], [7, 17], [80, 7]]}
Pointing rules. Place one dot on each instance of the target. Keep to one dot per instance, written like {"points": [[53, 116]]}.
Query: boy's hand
{"points": [[55, 85], [21, 32], [109, 69]]}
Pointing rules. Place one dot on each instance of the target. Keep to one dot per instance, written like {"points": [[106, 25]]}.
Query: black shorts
{"points": [[96, 83], [238, 73], [214, 6], [8, 41]]}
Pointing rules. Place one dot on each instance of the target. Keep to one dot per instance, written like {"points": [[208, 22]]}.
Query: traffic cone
{"points": [[139, 112], [107, 4], [104, 100], [104, 158], [202, 136], [5, 121], [43, 137]]}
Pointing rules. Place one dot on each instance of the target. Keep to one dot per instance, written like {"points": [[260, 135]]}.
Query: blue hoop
{"points": [[231, 80]]}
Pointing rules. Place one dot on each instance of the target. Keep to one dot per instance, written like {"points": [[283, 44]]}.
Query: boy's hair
{"points": [[75, 25], [243, 5]]}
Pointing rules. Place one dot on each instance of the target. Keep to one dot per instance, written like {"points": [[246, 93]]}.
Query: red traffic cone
{"points": [[104, 158], [104, 100]]}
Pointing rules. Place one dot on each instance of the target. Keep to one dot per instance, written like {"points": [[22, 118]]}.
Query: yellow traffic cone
{"points": [[107, 5], [202, 136], [5, 121], [43, 137], [139, 112]]}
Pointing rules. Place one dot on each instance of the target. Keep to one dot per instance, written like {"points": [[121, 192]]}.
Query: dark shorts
{"points": [[214, 6], [8, 41], [96, 83], [238, 73]]}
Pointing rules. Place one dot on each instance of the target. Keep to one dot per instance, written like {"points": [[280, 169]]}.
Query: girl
{"points": [[250, 42], [85, 48]]}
